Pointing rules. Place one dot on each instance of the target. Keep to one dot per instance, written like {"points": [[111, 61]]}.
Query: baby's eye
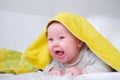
{"points": [[61, 37], [50, 39]]}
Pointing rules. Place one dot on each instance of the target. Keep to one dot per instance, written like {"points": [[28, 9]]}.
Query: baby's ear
{"points": [[80, 43]]}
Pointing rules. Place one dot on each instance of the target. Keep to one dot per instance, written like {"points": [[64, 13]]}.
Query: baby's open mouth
{"points": [[60, 53]]}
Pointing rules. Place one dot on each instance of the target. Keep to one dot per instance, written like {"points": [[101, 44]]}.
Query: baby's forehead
{"points": [[59, 29], [57, 26]]}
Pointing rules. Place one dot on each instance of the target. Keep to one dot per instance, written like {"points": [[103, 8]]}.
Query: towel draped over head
{"points": [[38, 54]]}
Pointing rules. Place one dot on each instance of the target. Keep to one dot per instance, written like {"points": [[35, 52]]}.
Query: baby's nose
{"points": [[55, 44]]}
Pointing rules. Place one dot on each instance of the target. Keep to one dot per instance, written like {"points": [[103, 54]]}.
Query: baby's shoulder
{"points": [[87, 53]]}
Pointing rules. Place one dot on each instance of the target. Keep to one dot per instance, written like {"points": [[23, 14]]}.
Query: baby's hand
{"points": [[56, 72], [74, 71]]}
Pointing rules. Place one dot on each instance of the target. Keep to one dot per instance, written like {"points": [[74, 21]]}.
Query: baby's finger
{"points": [[67, 71], [59, 73]]}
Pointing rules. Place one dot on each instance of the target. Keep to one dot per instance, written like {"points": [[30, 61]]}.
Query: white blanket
{"points": [[41, 76]]}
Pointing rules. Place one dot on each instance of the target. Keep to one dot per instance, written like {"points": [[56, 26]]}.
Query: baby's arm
{"points": [[74, 71], [56, 71], [93, 65], [54, 68]]}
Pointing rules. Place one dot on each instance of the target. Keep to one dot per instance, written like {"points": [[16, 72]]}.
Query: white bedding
{"points": [[41, 76]]}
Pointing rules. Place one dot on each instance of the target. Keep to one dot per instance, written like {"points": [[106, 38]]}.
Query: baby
{"points": [[70, 54]]}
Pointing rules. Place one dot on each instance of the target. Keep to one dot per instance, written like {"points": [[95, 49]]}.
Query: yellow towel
{"points": [[38, 54], [11, 61]]}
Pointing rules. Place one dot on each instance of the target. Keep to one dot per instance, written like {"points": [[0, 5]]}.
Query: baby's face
{"points": [[62, 44]]}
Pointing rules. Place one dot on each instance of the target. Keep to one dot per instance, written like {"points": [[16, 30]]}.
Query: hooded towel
{"points": [[38, 54]]}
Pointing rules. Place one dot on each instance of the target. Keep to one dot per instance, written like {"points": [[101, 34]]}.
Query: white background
{"points": [[21, 21]]}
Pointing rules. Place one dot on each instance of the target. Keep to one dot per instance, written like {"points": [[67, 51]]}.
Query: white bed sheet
{"points": [[41, 76]]}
